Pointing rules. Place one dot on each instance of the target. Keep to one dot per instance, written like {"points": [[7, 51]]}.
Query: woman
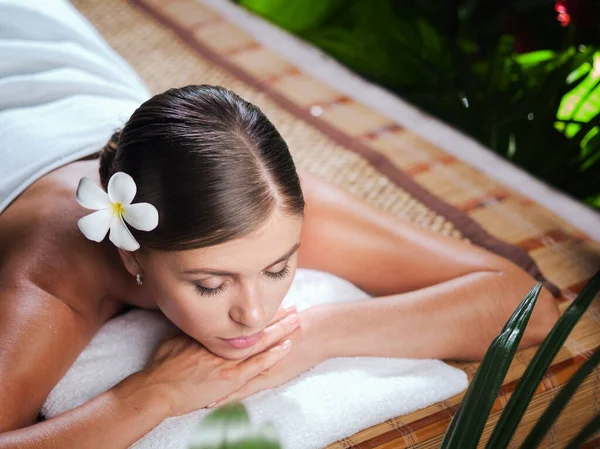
{"points": [[232, 229], [233, 220]]}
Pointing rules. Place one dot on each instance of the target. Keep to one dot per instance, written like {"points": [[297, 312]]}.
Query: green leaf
{"points": [[543, 425], [229, 427], [467, 424], [590, 149], [593, 201], [580, 71], [293, 15], [534, 57], [519, 400], [582, 103]]}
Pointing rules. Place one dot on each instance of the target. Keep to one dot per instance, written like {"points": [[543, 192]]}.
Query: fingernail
{"points": [[293, 318], [286, 344]]}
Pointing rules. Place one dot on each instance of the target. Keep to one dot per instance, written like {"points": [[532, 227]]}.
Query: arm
{"points": [[441, 322], [437, 296], [40, 337], [457, 319], [116, 419]]}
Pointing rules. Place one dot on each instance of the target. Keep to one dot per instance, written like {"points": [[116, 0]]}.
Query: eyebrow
{"points": [[229, 273]]}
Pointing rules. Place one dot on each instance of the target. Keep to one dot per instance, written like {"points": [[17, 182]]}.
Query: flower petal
{"points": [[142, 216], [95, 226], [90, 195], [120, 235], [121, 188]]}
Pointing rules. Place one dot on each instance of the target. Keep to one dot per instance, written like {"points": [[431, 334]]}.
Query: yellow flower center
{"points": [[118, 209]]}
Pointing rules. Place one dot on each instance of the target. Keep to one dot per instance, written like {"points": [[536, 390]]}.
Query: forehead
{"points": [[265, 245]]}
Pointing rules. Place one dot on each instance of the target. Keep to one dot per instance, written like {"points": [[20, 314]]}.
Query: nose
{"points": [[248, 309]]}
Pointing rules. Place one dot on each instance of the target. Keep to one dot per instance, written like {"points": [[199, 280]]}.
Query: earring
{"points": [[138, 279]]}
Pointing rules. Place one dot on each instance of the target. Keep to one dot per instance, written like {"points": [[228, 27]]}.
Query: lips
{"points": [[242, 343]]}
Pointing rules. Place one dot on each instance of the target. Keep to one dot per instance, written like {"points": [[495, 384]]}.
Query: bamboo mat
{"points": [[178, 42]]}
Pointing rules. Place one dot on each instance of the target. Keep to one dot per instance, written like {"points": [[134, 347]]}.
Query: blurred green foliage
{"points": [[520, 76], [229, 427]]}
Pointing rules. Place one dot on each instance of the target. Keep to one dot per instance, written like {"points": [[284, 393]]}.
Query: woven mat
{"points": [[178, 42]]}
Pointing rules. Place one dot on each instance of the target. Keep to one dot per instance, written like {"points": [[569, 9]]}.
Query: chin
{"points": [[225, 351]]}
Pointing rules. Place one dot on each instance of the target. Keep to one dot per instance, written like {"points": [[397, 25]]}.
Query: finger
{"points": [[282, 313], [247, 390], [258, 363], [276, 332]]}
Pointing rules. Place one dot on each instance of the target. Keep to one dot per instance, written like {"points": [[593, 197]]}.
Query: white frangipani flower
{"points": [[112, 208]]}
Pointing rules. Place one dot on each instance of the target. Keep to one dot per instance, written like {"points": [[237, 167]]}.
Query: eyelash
{"points": [[215, 291]]}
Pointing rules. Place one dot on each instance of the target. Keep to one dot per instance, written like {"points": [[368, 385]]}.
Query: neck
{"points": [[122, 285]]}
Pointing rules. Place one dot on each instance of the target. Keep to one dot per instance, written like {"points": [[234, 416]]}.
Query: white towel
{"points": [[63, 91], [334, 400]]}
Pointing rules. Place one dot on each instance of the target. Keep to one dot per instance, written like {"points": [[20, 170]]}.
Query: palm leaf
{"points": [[560, 401], [585, 433], [536, 369], [467, 424]]}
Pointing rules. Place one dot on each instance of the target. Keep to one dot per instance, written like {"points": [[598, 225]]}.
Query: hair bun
{"points": [[107, 157]]}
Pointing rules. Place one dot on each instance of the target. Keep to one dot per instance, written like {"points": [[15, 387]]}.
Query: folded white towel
{"points": [[335, 399]]}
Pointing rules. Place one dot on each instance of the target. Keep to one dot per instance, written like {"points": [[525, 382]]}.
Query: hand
{"points": [[306, 352], [191, 377]]}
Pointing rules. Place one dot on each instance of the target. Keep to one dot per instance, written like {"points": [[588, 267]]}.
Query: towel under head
{"points": [[334, 400]]}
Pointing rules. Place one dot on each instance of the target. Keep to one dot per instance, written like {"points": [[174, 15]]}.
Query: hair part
{"points": [[212, 164]]}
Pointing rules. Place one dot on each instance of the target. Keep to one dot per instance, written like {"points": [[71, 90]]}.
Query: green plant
{"points": [[229, 427], [506, 72], [466, 427]]}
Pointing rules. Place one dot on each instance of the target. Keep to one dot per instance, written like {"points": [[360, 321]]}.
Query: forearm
{"points": [[457, 319], [115, 419]]}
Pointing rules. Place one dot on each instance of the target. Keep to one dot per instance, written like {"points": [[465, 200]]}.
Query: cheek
{"points": [[279, 289], [195, 315]]}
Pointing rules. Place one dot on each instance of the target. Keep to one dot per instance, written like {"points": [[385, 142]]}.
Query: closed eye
{"points": [[204, 291], [280, 274]]}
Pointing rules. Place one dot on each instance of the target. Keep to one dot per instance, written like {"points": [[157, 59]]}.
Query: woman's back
{"points": [[40, 244], [53, 294], [64, 91]]}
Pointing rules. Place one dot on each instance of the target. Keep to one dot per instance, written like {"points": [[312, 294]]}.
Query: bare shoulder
{"points": [[54, 293], [41, 246]]}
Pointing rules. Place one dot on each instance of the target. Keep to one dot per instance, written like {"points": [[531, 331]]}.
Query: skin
{"points": [[241, 303], [57, 288]]}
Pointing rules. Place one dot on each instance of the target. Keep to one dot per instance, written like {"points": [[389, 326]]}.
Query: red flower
{"points": [[563, 15], [580, 13]]}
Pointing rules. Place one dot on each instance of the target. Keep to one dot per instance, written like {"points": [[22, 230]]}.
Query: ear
{"points": [[131, 261]]}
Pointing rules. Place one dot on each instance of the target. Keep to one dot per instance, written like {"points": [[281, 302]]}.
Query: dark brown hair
{"points": [[211, 163]]}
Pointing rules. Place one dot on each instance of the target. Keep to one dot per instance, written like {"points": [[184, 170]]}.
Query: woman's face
{"points": [[230, 290]]}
